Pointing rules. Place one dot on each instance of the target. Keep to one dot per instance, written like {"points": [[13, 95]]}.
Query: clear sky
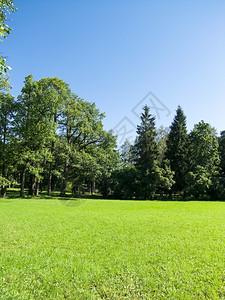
{"points": [[115, 52]]}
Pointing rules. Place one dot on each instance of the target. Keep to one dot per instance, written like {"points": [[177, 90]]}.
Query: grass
{"points": [[98, 249]]}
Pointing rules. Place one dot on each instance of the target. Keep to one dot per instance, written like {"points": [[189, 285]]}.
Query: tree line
{"points": [[50, 139], [171, 162]]}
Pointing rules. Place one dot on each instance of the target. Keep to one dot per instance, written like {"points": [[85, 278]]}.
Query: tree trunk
{"points": [[64, 185], [37, 188], [50, 179], [23, 177], [66, 167], [4, 187], [32, 185], [93, 186], [3, 191], [51, 165], [41, 186]]}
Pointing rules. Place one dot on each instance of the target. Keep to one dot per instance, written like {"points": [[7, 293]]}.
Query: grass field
{"points": [[111, 249]]}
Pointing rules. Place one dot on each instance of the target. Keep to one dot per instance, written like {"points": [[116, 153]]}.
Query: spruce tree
{"points": [[177, 149], [222, 151], [146, 155]]}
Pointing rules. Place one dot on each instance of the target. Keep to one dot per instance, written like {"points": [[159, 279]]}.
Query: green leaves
{"points": [[203, 148], [6, 7], [203, 159], [221, 141], [7, 159], [198, 182]]}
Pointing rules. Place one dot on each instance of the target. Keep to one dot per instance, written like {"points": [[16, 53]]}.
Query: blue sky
{"points": [[115, 52]]}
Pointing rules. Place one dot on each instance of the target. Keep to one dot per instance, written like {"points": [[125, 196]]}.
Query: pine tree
{"points": [[222, 151], [146, 155], [177, 149]]}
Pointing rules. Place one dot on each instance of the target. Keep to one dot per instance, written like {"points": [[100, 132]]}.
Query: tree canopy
{"points": [[6, 7]]}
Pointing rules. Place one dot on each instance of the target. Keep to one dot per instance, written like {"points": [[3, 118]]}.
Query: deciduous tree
{"points": [[7, 107]]}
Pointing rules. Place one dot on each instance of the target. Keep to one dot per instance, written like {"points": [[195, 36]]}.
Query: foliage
{"points": [[126, 153], [217, 188], [53, 139], [198, 182], [222, 151], [204, 160], [176, 151], [35, 125], [6, 7], [165, 177], [7, 147], [203, 148], [146, 155], [125, 182], [161, 141]]}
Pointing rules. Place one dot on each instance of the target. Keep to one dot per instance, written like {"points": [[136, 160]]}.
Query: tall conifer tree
{"points": [[177, 149], [222, 151], [146, 155]]}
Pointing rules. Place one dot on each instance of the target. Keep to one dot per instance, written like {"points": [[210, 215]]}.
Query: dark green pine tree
{"points": [[177, 149], [222, 151], [146, 156]]}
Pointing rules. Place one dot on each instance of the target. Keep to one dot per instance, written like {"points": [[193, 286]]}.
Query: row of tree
{"points": [[52, 139], [49, 137], [171, 161]]}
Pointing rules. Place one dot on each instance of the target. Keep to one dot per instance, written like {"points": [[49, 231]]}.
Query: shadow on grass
{"points": [[55, 195], [76, 200]]}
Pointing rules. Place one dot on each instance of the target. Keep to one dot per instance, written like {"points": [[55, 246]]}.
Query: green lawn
{"points": [[111, 249]]}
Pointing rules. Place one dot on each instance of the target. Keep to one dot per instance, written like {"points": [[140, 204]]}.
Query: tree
{"points": [[203, 158], [146, 155], [96, 164], [35, 128], [165, 178], [108, 160], [126, 153], [6, 143], [222, 151], [203, 148], [161, 140], [217, 188], [176, 151], [124, 182], [80, 126], [198, 182], [57, 92]]}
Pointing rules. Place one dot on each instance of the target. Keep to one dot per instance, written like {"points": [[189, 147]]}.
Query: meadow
{"points": [[110, 249]]}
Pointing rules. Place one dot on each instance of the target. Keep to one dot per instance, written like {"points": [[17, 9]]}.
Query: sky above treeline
{"points": [[123, 54]]}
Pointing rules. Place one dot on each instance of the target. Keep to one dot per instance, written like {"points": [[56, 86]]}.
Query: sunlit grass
{"points": [[98, 249]]}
